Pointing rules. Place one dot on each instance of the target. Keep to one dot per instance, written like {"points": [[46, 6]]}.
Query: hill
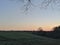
{"points": [[25, 38]]}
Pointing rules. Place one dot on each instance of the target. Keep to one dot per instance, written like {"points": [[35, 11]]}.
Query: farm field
{"points": [[25, 38]]}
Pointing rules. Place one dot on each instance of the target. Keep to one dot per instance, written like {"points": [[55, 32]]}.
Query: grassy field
{"points": [[25, 38]]}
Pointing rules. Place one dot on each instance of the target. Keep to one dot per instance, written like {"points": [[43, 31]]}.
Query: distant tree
{"points": [[40, 29], [56, 28], [51, 34]]}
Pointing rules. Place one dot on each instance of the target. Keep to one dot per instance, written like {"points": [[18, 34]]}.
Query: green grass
{"points": [[25, 38]]}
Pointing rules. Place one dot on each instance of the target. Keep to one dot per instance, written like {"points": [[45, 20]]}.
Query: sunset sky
{"points": [[12, 16]]}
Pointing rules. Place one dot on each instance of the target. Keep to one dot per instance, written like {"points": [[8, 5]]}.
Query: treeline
{"points": [[51, 34], [55, 34]]}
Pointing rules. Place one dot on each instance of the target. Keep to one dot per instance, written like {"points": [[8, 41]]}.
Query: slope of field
{"points": [[25, 38]]}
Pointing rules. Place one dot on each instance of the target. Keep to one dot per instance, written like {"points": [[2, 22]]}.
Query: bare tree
{"points": [[43, 4], [40, 29]]}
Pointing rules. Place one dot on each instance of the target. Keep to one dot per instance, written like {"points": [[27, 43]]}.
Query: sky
{"points": [[13, 17]]}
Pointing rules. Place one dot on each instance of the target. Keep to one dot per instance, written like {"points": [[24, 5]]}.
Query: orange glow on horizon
{"points": [[22, 28], [28, 28]]}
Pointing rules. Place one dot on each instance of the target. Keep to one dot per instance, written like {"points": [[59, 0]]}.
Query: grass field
{"points": [[25, 38]]}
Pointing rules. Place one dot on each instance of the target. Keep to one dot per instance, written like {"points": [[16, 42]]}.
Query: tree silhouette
{"points": [[56, 28], [39, 29], [43, 3], [55, 34]]}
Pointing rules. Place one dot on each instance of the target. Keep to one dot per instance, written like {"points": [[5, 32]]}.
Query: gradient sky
{"points": [[12, 16]]}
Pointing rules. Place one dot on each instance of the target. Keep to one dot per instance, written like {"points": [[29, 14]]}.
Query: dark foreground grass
{"points": [[25, 38]]}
